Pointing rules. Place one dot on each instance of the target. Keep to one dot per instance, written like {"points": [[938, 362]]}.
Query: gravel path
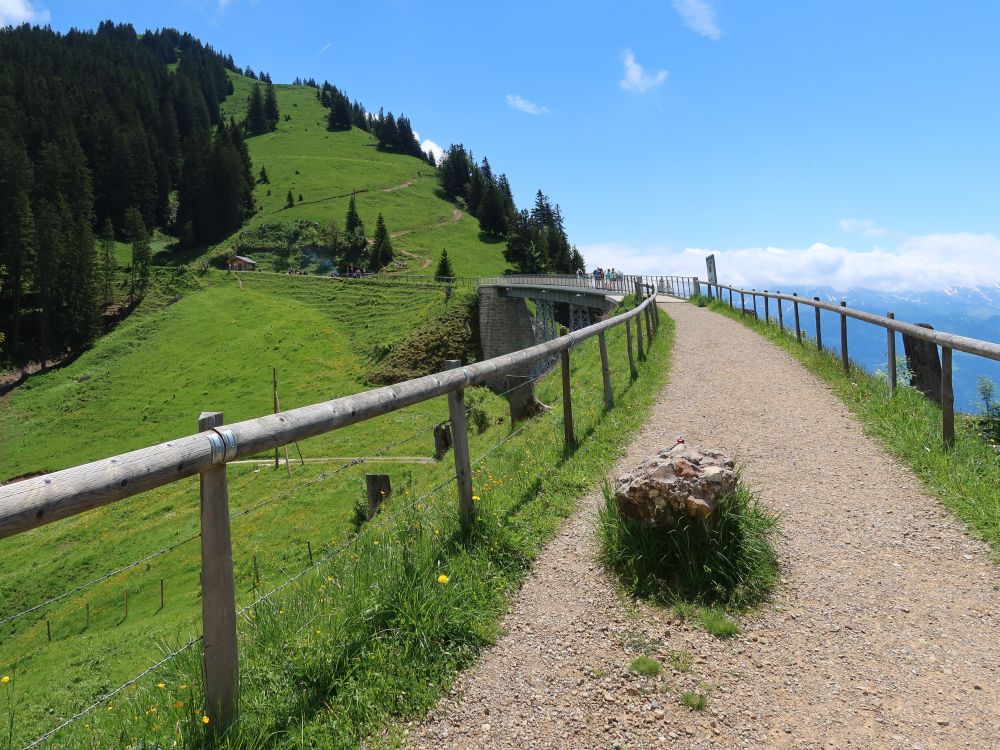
{"points": [[884, 632]]}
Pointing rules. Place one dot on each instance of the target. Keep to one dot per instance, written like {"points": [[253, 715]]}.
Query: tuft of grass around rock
{"points": [[646, 666], [730, 564]]}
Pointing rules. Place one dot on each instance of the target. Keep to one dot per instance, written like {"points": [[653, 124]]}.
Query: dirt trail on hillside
{"points": [[884, 633]]}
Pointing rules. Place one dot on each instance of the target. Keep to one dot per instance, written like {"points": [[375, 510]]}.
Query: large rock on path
{"points": [[674, 484]]}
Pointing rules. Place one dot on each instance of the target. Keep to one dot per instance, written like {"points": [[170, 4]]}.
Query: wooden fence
{"points": [[33, 502], [947, 341]]}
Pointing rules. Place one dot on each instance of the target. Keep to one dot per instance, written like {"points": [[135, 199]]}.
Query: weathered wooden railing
{"points": [[947, 341], [33, 502]]}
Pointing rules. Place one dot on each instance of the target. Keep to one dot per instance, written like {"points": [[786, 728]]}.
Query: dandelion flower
{"points": [[442, 579], [5, 679], [475, 497], [376, 542], [183, 687], [161, 685], [204, 720]]}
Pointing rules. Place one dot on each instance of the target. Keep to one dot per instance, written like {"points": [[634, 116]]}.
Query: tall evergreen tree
{"points": [[380, 254], [107, 263], [141, 254], [271, 106], [444, 270], [256, 121]]}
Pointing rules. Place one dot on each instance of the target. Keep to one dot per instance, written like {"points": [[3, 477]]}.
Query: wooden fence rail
{"points": [[948, 342], [39, 500]]}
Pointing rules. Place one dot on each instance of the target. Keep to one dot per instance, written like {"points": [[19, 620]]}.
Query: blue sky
{"points": [[841, 143]]}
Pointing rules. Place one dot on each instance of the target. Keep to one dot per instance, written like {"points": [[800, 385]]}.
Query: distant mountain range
{"points": [[972, 312]]}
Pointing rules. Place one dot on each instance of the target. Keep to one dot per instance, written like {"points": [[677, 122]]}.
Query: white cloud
{"points": [[324, 49], [16, 12], [223, 4], [864, 227], [636, 78], [516, 101], [429, 145], [927, 262], [699, 16]]}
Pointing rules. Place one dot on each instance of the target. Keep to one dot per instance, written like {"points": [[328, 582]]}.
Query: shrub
{"points": [[731, 564]]}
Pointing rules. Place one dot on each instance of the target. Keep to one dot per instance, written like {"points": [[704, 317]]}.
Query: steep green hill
{"points": [[326, 167]]}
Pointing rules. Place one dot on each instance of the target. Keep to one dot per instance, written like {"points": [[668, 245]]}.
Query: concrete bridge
{"points": [[518, 311]]}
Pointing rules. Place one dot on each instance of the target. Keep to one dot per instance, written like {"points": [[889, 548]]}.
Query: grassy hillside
{"points": [[326, 167]]}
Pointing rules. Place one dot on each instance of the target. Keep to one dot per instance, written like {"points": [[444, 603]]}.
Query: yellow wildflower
{"points": [[376, 542], [183, 686], [161, 685], [204, 720], [442, 579], [5, 679], [475, 497]]}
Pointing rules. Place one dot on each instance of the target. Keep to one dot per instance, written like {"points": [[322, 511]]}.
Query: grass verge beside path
{"points": [[966, 479], [375, 635]]}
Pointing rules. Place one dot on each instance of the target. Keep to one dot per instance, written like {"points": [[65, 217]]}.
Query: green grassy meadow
{"points": [[530, 481]]}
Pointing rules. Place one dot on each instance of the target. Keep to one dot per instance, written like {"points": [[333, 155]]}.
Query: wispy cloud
{"points": [[223, 4], [699, 16], [926, 262], [518, 102], [863, 227], [636, 79], [324, 49], [16, 12]]}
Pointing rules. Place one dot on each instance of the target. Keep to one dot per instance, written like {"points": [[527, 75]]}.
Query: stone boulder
{"points": [[675, 483]]}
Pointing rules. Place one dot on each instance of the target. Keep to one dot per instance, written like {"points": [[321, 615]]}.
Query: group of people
{"points": [[600, 274]]}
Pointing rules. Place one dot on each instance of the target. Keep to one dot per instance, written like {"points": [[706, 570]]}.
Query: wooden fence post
{"points": [[843, 339], [781, 315], [218, 594], [798, 328], [377, 488], [609, 398], [819, 331], [649, 326], [890, 355], [753, 297], [743, 304], [568, 394], [638, 336], [767, 308], [947, 399], [631, 358], [460, 447], [731, 298]]}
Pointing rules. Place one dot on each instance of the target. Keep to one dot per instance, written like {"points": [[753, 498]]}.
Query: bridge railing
{"points": [[948, 342], [40, 500]]}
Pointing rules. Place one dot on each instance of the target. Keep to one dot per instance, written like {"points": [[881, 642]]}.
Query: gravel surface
{"points": [[884, 632]]}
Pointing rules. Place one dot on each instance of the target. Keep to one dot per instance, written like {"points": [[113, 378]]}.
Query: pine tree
{"points": [[290, 200], [256, 121], [141, 254], [381, 253], [271, 106], [492, 219], [107, 261], [353, 222], [355, 241], [444, 270], [262, 177]]}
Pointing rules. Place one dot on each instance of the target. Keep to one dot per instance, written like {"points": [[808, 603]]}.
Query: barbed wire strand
{"points": [[108, 696]]}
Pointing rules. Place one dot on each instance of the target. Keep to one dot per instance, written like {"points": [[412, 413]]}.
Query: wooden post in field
{"points": [[947, 398], [767, 308], [631, 358], [638, 336], [309, 549], [568, 394], [753, 297], [256, 572], [48, 630], [609, 398], [649, 326], [798, 328], [819, 331], [890, 355], [843, 339], [377, 488], [781, 314], [460, 444], [731, 305], [218, 595], [277, 408], [743, 303]]}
